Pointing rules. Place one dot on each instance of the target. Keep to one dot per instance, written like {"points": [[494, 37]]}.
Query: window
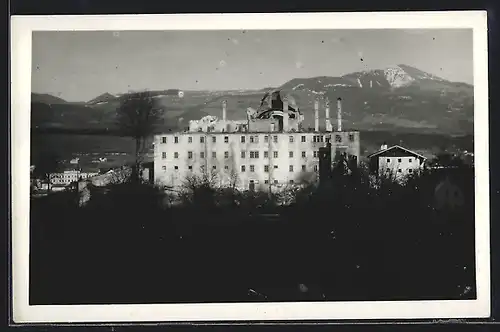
{"points": [[214, 154], [315, 168], [290, 168], [190, 154], [290, 139], [164, 155], [291, 181], [275, 138], [399, 160], [315, 154], [290, 154], [400, 170], [190, 167], [303, 139], [338, 139], [242, 139], [190, 139], [266, 181], [275, 154], [318, 138], [226, 167], [351, 137], [275, 181], [410, 160], [252, 168], [226, 139], [303, 154], [266, 139], [266, 154], [202, 139], [242, 154], [303, 168], [164, 168], [388, 160], [275, 166], [214, 167], [243, 169], [176, 139], [214, 139], [410, 170], [176, 155], [202, 155], [254, 139], [176, 167], [163, 140], [266, 168], [226, 154], [254, 154]]}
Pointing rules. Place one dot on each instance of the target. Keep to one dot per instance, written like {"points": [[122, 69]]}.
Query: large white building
{"points": [[268, 150], [70, 176]]}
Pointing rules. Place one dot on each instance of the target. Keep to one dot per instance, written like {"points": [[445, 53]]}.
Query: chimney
{"points": [[328, 124], [224, 106], [383, 146], [316, 116], [339, 114], [285, 115]]}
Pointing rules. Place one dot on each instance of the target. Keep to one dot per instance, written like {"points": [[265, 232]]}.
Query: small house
{"points": [[395, 161]]}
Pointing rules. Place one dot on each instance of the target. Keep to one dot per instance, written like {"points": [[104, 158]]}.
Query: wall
{"points": [[392, 165], [174, 168]]}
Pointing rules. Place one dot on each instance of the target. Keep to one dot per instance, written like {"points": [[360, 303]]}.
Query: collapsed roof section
{"points": [[271, 106]]}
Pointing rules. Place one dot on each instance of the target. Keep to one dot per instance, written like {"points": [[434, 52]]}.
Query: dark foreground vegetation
{"points": [[349, 241]]}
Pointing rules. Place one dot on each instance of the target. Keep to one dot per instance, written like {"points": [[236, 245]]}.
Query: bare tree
{"points": [[137, 116], [200, 189]]}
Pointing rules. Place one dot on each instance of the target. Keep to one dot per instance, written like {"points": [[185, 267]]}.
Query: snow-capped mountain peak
{"points": [[397, 77]]}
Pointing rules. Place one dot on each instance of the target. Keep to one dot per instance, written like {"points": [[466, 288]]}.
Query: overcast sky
{"points": [[78, 66]]}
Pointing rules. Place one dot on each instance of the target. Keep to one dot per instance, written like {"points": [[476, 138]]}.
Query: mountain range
{"points": [[398, 98]]}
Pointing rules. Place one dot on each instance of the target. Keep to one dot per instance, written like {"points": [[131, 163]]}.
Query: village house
{"points": [[396, 161]]}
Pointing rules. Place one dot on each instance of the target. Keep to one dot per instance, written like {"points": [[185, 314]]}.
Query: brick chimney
{"points": [[224, 107], [316, 116], [339, 114], [285, 114]]}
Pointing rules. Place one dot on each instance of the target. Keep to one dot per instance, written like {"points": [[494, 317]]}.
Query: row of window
{"points": [[255, 139], [399, 160], [400, 170], [251, 168], [243, 154]]}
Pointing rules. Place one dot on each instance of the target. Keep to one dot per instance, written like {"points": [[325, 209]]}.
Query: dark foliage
{"points": [[347, 241], [137, 116]]}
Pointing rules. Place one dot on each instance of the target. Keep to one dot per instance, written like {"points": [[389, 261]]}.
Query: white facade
{"points": [[68, 177], [396, 162], [250, 159], [400, 165]]}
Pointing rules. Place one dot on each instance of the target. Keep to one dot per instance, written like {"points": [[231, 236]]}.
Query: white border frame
{"points": [[21, 33]]}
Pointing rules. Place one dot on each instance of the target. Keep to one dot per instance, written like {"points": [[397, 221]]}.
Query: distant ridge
{"points": [[398, 97], [46, 99], [105, 97]]}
